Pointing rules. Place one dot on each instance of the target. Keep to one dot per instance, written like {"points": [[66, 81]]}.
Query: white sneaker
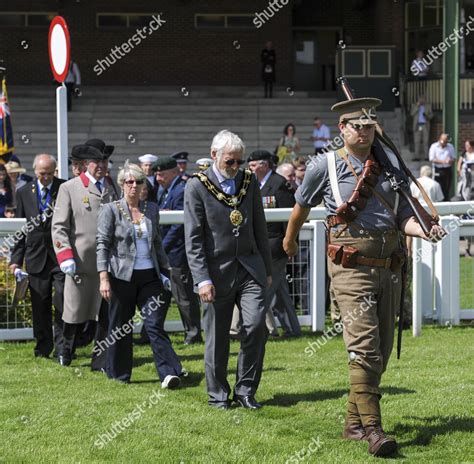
{"points": [[171, 382]]}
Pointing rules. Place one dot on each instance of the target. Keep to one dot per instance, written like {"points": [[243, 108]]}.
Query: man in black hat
{"points": [[276, 193], [74, 228], [181, 158], [172, 198]]}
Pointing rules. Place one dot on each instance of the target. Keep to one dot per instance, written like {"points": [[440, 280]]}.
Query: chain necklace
{"points": [[138, 221]]}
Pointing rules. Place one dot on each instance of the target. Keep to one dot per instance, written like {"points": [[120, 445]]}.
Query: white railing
{"points": [[435, 267]]}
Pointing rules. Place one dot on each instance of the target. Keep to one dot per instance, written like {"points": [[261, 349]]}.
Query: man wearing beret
{"points": [[276, 193], [365, 222], [172, 198], [230, 260], [74, 228]]}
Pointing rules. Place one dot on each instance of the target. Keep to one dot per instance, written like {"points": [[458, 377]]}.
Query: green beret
{"points": [[164, 163]]}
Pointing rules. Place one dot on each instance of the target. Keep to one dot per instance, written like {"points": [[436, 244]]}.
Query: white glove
{"points": [[166, 282], [68, 267], [20, 275]]}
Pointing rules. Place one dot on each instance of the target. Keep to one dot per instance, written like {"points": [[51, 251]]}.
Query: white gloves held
{"points": [[68, 267]]}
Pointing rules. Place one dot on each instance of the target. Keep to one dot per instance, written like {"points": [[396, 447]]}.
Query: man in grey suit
{"points": [[230, 260]]}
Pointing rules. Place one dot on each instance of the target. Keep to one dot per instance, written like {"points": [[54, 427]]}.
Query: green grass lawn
{"points": [[466, 282], [53, 414]]}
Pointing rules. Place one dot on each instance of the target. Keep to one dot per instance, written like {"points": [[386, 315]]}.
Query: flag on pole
{"points": [[6, 132]]}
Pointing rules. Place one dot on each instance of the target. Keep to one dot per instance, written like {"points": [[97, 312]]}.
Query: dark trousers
{"points": [[41, 290], [268, 88], [249, 297], [146, 291], [71, 332], [70, 90], [444, 176], [187, 300]]}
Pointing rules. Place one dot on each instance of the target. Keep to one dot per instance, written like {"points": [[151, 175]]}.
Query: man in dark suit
{"points": [[230, 260], [276, 193], [35, 202], [172, 198]]}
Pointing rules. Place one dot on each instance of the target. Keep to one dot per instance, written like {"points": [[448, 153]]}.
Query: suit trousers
{"points": [[420, 137], [188, 302], [278, 297], [249, 296], [41, 288], [146, 291], [70, 334]]}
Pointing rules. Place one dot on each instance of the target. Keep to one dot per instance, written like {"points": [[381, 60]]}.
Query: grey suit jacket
{"points": [[213, 251], [116, 249]]}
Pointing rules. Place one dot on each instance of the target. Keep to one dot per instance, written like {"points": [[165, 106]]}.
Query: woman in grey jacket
{"points": [[131, 263]]}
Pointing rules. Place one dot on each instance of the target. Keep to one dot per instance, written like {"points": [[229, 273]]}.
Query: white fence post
{"points": [[318, 276], [417, 287], [447, 272]]}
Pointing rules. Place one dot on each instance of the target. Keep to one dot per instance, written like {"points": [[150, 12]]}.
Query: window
{"points": [[106, 20], [224, 21], [379, 63], [123, 20], [20, 19], [353, 63]]}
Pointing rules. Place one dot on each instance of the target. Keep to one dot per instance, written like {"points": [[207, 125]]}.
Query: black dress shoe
{"points": [[64, 361], [247, 401], [193, 341]]}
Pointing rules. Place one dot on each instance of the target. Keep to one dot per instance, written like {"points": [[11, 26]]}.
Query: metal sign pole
{"points": [[62, 130]]}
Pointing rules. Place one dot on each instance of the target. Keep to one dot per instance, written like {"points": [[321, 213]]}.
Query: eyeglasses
{"points": [[231, 162], [137, 182]]}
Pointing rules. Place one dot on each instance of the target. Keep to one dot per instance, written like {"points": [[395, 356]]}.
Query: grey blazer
{"points": [[213, 251], [116, 248]]}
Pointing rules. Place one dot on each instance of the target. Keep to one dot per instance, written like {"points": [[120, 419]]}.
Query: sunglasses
{"points": [[131, 182], [232, 162]]}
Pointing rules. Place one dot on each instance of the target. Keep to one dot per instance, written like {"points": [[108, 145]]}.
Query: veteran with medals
{"points": [[365, 220], [74, 228], [230, 260]]}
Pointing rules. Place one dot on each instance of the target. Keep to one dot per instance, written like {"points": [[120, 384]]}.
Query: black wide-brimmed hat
{"points": [[87, 152], [101, 146]]}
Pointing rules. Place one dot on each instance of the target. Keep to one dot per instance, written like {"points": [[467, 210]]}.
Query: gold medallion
{"points": [[236, 217]]}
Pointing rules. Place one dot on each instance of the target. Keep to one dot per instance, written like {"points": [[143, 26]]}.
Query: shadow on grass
{"points": [[290, 399], [428, 427]]}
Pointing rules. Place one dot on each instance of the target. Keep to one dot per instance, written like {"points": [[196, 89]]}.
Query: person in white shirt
{"points": [[442, 157], [321, 136], [419, 68], [432, 188]]}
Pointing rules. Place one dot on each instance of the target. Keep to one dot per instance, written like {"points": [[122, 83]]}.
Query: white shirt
{"points": [[422, 67], [432, 188], [142, 258], [264, 180], [323, 131], [94, 180], [441, 153]]}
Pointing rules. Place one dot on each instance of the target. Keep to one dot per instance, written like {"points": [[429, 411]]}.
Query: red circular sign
{"points": [[59, 48]]}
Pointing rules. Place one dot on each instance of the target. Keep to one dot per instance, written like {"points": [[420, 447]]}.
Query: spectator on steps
{"points": [[72, 81], [289, 145], [268, 59], [422, 114]]}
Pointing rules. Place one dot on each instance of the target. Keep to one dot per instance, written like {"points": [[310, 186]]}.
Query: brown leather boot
{"points": [[379, 443], [353, 431]]}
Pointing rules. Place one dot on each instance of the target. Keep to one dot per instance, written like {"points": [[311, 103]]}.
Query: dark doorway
{"points": [[315, 59]]}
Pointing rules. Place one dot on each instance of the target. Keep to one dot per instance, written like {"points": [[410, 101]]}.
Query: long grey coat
{"points": [[116, 248], [74, 229]]}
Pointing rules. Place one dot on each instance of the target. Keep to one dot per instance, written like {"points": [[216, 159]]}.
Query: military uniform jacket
{"points": [[213, 249], [277, 193], [74, 229]]}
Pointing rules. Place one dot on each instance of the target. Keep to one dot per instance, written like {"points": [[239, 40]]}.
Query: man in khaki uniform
{"points": [[74, 229], [365, 220]]}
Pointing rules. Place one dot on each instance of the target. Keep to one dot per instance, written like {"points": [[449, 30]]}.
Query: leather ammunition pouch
{"points": [[349, 258]]}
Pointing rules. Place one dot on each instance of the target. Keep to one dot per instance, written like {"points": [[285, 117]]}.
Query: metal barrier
{"points": [[435, 271]]}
